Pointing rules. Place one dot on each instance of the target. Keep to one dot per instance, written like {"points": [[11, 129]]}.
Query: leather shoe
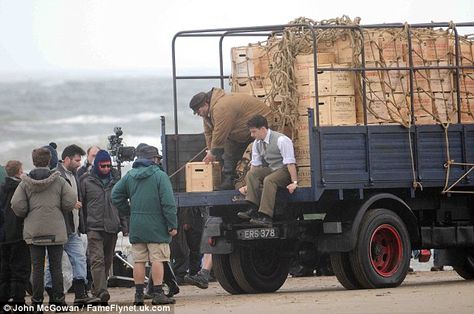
{"points": [[248, 214], [262, 220]]}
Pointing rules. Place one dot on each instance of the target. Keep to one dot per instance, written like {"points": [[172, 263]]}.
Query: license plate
{"points": [[257, 233]]}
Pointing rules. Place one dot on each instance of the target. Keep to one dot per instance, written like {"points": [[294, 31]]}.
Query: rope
{"points": [[194, 157]]}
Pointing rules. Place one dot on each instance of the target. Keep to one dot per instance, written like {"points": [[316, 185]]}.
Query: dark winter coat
{"points": [[11, 226], [102, 215]]}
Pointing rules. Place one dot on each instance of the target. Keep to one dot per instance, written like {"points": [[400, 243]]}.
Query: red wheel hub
{"points": [[386, 250]]}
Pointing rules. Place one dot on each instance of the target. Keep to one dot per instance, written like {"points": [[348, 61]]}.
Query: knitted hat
{"points": [[148, 152], [53, 163], [102, 155]]}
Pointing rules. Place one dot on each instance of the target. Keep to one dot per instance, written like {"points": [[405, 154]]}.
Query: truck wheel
{"points": [[382, 254], [341, 265], [466, 268], [259, 268], [223, 273]]}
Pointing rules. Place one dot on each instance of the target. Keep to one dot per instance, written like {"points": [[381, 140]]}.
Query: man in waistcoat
{"points": [[273, 165]]}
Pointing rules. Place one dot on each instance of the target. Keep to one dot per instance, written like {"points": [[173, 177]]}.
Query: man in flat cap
{"points": [[225, 117]]}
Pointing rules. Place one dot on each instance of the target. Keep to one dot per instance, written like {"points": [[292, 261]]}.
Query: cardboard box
{"points": [[201, 177]]}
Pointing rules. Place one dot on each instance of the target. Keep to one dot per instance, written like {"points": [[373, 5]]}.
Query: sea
{"points": [[85, 110]]}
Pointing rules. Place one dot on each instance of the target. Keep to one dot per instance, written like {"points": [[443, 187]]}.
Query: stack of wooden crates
{"points": [[387, 84]]}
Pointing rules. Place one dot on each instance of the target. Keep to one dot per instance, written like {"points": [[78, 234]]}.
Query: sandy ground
{"points": [[421, 292]]}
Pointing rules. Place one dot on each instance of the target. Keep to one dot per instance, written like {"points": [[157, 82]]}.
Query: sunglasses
{"points": [[105, 166]]}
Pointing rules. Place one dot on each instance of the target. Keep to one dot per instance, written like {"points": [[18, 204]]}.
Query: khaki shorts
{"points": [[151, 252]]}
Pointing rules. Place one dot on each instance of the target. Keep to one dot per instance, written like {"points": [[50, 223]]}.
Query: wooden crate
{"points": [[201, 177], [304, 176], [467, 108], [382, 108], [250, 61], [435, 108]]}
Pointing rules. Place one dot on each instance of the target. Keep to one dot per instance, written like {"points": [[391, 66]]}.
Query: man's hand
{"points": [[209, 157], [78, 205], [173, 232], [292, 187], [243, 190]]}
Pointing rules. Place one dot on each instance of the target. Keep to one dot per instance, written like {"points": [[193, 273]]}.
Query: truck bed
{"points": [[356, 157]]}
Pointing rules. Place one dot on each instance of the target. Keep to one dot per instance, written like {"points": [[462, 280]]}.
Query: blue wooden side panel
{"points": [[380, 156]]}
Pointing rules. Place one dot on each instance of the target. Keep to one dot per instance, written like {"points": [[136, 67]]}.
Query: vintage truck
{"points": [[377, 191]]}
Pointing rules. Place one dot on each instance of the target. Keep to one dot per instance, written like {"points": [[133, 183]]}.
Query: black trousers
{"points": [[15, 269], [55, 254], [185, 247]]}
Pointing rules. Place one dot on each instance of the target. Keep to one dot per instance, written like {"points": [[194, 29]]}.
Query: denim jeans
{"points": [[76, 252]]}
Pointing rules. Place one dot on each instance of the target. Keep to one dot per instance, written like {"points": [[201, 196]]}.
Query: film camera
{"points": [[117, 149]]}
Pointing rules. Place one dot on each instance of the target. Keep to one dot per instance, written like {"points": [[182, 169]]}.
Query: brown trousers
{"points": [[101, 248], [271, 180]]}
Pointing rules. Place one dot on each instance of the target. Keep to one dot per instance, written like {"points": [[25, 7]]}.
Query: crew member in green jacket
{"points": [[153, 219]]}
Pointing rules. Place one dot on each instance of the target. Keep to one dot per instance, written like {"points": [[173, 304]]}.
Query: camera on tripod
{"points": [[117, 149]]}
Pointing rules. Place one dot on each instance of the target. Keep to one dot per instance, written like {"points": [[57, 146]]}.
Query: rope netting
{"points": [[387, 59]]}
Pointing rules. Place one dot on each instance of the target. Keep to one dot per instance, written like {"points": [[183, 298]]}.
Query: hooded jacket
{"points": [[152, 208], [11, 226], [102, 215], [228, 116], [41, 198]]}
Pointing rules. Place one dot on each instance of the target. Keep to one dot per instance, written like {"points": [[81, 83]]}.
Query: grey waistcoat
{"points": [[271, 155]]}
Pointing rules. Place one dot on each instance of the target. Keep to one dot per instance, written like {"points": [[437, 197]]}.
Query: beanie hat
{"points": [[102, 155], [148, 152], [53, 163]]}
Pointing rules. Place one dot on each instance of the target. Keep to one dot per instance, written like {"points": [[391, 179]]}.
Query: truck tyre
{"points": [[259, 268], [223, 273], [382, 254], [341, 265], [466, 268]]}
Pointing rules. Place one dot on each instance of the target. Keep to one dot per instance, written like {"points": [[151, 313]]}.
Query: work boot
{"points": [[104, 297], [59, 301], [37, 306], [262, 220], [227, 183], [139, 299], [248, 214], [81, 297], [161, 298], [198, 280]]}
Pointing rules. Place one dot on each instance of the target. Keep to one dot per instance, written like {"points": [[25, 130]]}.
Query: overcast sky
{"points": [[105, 35]]}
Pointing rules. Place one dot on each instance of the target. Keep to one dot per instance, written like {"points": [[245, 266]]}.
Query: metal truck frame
{"points": [[362, 207]]}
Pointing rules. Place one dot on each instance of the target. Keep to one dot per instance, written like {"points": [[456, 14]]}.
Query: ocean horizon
{"points": [[79, 109]]}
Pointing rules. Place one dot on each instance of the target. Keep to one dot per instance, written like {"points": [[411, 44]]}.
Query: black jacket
{"points": [[68, 216], [11, 226]]}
